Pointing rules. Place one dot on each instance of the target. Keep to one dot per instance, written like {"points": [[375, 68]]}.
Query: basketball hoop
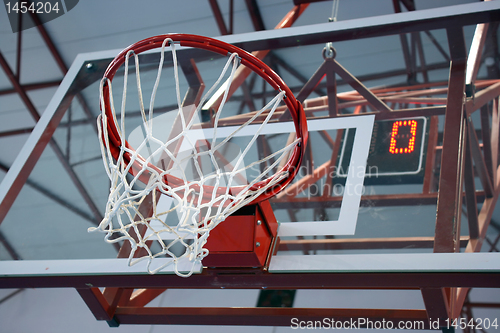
{"points": [[155, 167]]}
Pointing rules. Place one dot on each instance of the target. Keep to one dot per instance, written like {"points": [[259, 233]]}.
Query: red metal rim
{"points": [[247, 59]]}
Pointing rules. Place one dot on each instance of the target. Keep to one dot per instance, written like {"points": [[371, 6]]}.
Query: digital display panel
{"points": [[403, 135]]}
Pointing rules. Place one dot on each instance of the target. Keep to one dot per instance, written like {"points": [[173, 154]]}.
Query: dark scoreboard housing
{"points": [[397, 152]]}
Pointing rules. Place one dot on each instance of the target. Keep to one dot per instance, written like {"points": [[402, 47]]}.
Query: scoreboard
{"points": [[397, 151]]}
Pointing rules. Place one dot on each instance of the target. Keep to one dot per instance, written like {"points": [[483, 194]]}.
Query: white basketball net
{"points": [[197, 216]]}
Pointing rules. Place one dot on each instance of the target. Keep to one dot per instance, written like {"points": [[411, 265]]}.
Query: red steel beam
{"points": [[474, 245], [429, 183], [331, 88], [421, 55], [253, 9], [474, 58], [18, 88], [49, 194], [489, 90], [219, 19], [19, 46], [450, 180], [96, 303], [16, 132], [8, 246], [34, 113], [257, 279], [470, 188], [361, 243], [486, 138], [486, 212], [32, 86], [142, 297], [60, 62], [243, 72], [358, 86], [436, 304], [480, 164], [481, 98], [382, 200], [410, 69], [266, 316], [495, 137], [483, 305]]}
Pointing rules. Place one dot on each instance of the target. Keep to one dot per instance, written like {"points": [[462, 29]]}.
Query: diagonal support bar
{"points": [[479, 161], [359, 87], [96, 303], [436, 304], [470, 188]]}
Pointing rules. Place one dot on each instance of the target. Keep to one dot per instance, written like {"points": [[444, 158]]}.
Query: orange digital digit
{"points": [[403, 137]]}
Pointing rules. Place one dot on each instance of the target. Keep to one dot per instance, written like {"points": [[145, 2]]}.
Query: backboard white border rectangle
{"points": [[344, 263], [353, 189], [399, 262], [88, 266]]}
